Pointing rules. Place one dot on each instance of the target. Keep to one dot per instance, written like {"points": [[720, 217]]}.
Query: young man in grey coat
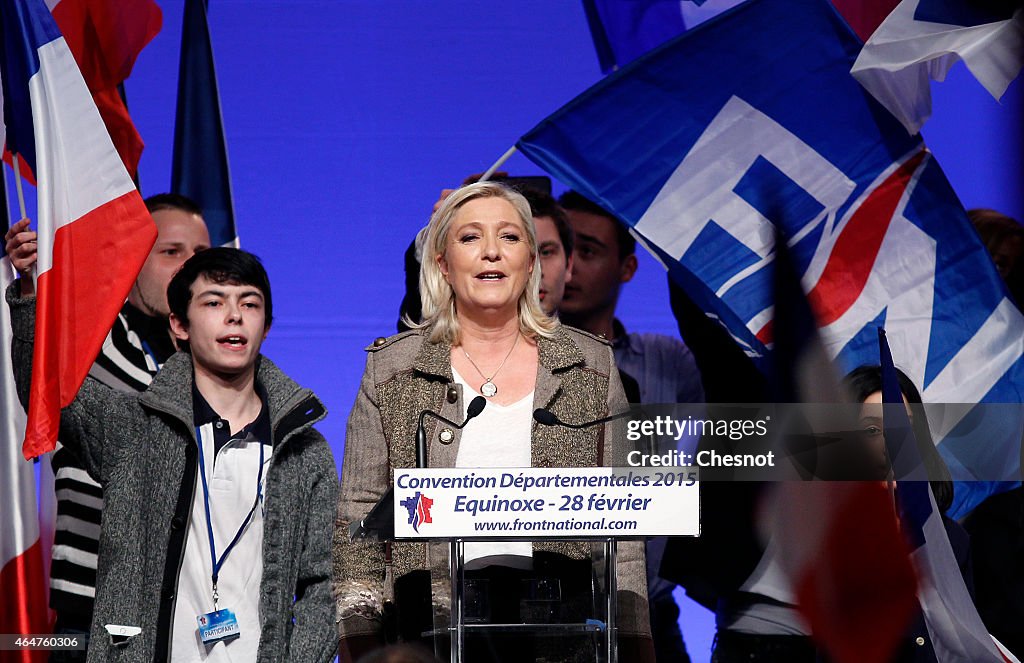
{"points": [[220, 495]]}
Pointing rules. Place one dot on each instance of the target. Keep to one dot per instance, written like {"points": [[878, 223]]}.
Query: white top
{"points": [[764, 618], [499, 437], [231, 478]]}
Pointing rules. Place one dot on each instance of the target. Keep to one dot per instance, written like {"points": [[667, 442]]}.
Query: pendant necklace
{"points": [[488, 388]]}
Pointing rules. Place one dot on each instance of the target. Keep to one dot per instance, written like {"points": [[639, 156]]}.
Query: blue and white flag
{"points": [[921, 39], [623, 30], [954, 626], [753, 121]]}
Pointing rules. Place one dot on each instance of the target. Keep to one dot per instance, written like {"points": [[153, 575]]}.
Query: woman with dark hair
{"points": [[864, 385], [756, 623]]}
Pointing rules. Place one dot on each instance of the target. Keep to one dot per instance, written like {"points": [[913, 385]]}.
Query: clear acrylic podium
{"points": [[565, 606], [590, 623]]}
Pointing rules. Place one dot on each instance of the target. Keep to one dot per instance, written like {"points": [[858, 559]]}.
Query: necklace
{"points": [[488, 388]]}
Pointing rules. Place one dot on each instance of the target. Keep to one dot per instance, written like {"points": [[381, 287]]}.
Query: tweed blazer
{"points": [[406, 374], [138, 447]]}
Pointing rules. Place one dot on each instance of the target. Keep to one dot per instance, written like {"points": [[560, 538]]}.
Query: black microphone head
{"points": [[545, 417], [475, 407]]}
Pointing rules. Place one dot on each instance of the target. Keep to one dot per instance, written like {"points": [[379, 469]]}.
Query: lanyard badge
{"points": [[221, 624], [218, 625]]}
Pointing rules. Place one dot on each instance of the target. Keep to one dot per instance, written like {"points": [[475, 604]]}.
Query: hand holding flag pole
{"points": [[84, 270], [20, 247], [22, 576], [29, 283]]}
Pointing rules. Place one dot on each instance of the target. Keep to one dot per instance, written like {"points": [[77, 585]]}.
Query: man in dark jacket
{"points": [[219, 494]]}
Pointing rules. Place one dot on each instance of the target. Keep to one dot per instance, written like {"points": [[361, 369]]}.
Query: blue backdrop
{"points": [[345, 118]]}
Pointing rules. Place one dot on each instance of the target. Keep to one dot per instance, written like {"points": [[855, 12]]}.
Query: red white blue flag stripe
{"points": [[94, 230], [22, 577], [837, 541], [954, 625], [106, 37]]}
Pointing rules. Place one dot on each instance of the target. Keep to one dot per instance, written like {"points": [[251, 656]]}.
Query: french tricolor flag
{"points": [[836, 542], [106, 37], [94, 230], [22, 576], [954, 625]]}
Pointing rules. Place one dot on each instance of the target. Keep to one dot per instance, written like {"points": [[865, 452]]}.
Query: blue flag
{"points": [[955, 630], [900, 441], [901, 447], [623, 30], [25, 29], [200, 167], [752, 122]]}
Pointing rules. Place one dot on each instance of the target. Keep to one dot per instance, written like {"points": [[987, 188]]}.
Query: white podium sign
{"points": [[537, 503]]}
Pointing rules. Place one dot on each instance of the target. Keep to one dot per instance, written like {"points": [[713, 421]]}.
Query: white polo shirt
{"points": [[231, 477]]}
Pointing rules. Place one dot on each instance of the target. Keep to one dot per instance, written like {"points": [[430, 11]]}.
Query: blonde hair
{"points": [[439, 306]]}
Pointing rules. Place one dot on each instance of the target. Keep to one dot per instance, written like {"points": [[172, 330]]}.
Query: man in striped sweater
{"points": [[134, 350]]}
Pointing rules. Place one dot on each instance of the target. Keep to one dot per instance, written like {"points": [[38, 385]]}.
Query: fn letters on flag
{"points": [[753, 122]]}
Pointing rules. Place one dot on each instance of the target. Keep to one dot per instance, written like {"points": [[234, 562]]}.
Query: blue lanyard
{"points": [[149, 351], [219, 562]]}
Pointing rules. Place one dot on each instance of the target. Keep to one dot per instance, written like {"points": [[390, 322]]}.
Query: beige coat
{"points": [[405, 374]]}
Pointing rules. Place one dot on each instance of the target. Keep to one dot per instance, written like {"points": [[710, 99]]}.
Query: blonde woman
{"points": [[484, 333]]}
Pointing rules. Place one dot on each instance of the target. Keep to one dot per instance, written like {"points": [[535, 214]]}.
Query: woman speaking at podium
{"points": [[483, 333]]}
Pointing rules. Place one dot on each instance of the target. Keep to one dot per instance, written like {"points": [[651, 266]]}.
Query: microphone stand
{"points": [[379, 523], [548, 418]]}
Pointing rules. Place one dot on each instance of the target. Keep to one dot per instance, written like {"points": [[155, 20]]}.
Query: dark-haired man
{"points": [[604, 259], [139, 342], [554, 247], [220, 495]]}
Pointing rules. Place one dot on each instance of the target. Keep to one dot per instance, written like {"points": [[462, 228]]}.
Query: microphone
{"points": [[548, 418], [475, 407], [380, 519]]}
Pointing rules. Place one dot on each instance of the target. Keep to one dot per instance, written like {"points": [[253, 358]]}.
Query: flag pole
{"points": [[5, 221], [17, 185], [31, 273], [498, 164]]}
